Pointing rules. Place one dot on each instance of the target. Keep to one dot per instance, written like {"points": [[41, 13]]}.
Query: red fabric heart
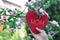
{"points": [[33, 20]]}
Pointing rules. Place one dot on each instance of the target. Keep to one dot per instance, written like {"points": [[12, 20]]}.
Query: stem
{"points": [[14, 16]]}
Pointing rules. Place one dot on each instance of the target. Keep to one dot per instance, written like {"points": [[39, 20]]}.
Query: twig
{"points": [[14, 16]]}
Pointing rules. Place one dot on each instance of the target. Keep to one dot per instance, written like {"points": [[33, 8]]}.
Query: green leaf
{"points": [[52, 1], [0, 17], [4, 27], [12, 24], [1, 12], [10, 17], [50, 38], [9, 10], [4, 13], [15, 19], [27, 39]]}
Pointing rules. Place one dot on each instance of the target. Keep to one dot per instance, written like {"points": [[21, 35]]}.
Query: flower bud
{"points": [[4, 18]]}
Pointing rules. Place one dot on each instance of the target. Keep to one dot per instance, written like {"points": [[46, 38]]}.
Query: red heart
{"points": [[33, 20]]}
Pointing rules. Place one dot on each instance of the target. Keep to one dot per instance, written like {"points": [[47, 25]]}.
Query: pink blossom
{"points": [[26, 4], [13, 12], [38, 8], [19, 23], [4, 18], [54, 22], [43, 12], [2, 8], [15, 8]]}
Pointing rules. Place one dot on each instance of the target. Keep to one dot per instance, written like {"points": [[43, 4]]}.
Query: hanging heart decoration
{"points": [[33, 21]]}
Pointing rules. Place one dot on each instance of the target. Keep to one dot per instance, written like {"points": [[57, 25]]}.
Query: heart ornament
{"points": [[33, 21]]}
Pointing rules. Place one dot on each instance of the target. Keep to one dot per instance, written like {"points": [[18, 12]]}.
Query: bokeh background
{"points": [[13, 25]]}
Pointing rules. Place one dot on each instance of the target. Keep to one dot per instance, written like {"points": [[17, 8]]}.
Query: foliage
{"points": [[5, 35]]}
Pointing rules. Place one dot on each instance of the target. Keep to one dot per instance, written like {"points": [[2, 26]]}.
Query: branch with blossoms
{"points": [[10, 17], [9, 12]]}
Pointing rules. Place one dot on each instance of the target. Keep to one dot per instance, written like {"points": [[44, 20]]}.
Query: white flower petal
{"points": [[54, 22]]}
